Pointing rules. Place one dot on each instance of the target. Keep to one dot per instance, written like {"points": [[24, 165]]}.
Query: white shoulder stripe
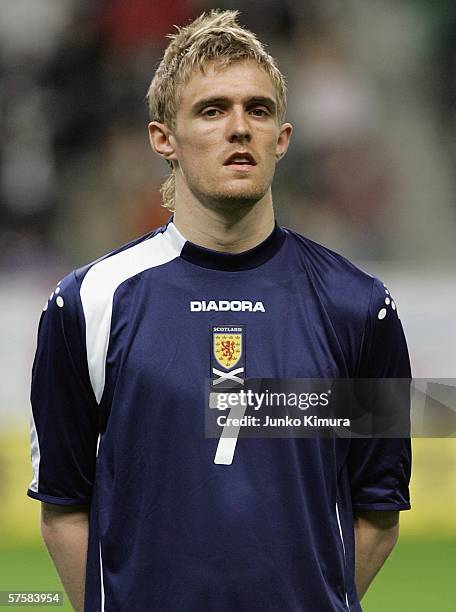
{"points": [[100, 284], [35, 448]]}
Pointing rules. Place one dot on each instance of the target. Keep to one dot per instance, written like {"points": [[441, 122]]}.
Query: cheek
{"points": [[197, 160], [268, 142], [191, 150], [270, 150]]}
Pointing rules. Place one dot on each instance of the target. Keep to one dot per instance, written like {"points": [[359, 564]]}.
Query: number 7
{"points": [[228, 439]]}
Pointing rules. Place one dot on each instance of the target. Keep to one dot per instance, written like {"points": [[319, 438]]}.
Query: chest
{"points": [[183, 332]]}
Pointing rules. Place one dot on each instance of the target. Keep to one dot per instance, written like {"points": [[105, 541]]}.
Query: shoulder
{"points": [[107, 269], [96, 282], [336, 279], [88, 291], [357, 304], [147, 251]]}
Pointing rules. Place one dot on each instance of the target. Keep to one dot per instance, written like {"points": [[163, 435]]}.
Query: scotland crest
{"points": [[228, 355]]}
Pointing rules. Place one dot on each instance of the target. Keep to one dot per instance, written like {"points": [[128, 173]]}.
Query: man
{"points": [[166, 518]]}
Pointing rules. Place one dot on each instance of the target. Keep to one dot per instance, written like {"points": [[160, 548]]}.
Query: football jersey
{"points": [[126, 346]]}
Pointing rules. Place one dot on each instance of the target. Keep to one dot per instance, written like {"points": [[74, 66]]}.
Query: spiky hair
{"points": [[215, 36]]}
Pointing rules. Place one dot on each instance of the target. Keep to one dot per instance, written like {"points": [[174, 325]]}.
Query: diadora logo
{"points": [[226, 305]]}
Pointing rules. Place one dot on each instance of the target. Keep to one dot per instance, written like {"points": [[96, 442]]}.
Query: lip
{"points": [[248, 156]]}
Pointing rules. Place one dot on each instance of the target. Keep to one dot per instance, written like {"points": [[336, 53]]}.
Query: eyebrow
{"points": [[223, 101]]}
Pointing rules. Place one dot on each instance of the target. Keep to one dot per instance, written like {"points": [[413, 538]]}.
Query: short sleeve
{"points": [[64, 416], [380, 468]]}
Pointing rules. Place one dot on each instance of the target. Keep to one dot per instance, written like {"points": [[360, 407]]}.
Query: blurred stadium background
{"points": [[371, 173]]}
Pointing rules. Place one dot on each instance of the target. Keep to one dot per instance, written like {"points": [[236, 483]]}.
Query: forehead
{"points": [[241, 79]]}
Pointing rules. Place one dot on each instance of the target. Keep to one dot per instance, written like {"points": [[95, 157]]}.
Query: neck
{"points": [[230, 229]]}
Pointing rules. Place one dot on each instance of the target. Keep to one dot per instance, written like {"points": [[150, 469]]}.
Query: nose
{"points": [[238, 126]]}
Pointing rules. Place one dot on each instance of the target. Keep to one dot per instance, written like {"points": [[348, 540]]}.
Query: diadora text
{"points": [[225, 305]]}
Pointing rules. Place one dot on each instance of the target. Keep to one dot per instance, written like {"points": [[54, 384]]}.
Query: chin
{"points": [[239, 200], [239, 194]]}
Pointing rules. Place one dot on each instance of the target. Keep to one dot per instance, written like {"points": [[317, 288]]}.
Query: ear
{"points": [[283, 140], [162, 140]]}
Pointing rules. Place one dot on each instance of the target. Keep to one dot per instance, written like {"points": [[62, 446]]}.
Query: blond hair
{"points": [[215, 36]]}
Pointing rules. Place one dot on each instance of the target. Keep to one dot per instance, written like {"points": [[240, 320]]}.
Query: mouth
{"points": [[240, 160]]}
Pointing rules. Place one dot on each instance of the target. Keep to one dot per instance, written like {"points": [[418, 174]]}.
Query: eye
{"points": [[211, 112], [259, 111]]}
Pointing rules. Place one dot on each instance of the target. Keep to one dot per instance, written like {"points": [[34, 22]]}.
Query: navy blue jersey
{"points": [[118, 399]]}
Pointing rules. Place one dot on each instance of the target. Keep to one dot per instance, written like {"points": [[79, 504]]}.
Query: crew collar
{"points": [[231, 262]]}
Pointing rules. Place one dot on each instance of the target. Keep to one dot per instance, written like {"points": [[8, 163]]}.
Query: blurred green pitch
{"points": [[419, 577]]}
